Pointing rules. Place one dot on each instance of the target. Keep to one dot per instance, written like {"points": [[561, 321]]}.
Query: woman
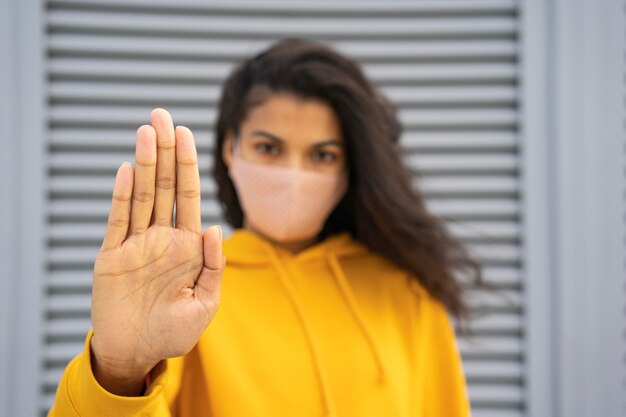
{"points": [[339, 282]]}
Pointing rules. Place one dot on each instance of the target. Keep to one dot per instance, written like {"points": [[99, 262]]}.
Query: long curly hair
{"points": [[382, 208]]}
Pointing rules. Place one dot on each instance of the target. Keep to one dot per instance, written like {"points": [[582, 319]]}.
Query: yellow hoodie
{"points": [[335, 330]]}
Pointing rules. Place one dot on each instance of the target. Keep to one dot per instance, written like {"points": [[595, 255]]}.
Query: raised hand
{"points": [[156, 284]]}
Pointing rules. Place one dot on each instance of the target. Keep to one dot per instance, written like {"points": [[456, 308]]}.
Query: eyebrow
{"points": [[275, 138]]}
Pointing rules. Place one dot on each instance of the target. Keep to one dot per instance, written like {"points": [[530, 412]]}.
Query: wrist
{"points": [[122, 378]]}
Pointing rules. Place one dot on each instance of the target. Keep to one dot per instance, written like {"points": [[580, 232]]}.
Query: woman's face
{"points": [[288, 131]]}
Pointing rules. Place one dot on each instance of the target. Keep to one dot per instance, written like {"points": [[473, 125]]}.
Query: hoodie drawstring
{"points": [[344, 288], [317, 360], [342, 282]]}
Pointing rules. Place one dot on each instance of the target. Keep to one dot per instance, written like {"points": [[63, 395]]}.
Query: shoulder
{"points": [[430, 311]]}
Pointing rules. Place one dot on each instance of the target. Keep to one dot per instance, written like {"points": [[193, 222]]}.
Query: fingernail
{"points": [[219, 228]]}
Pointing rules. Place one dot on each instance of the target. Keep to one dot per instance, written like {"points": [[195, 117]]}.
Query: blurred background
{"points": [[514, 116]]}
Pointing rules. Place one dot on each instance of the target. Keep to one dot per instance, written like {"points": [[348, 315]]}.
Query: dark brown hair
{"points": [[381, 209]]}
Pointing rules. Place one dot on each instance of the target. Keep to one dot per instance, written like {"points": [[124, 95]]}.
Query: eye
{"points": [[324, 156], [266, 148]]}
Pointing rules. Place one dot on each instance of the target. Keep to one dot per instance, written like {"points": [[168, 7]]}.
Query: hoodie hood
{"points": [[245, 247]]}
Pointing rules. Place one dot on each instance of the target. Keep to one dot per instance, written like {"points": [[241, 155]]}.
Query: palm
{"points": [[156, 273]]}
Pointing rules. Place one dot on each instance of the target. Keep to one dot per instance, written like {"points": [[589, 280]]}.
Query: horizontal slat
{"points": [[498, 347], [504, 163], [80, 256], [483, 73], [483, 232], [67, 327], [68, 303], [102, 185], [203, 73], [83, 234], [64, 280], [189, 48], [114, 116], [124, 138], [113, 140], [499, 275], [454, 95], [427, 163], [463, 215], [99, 92], [487, 231], [69, 280], [263, 26], [103, 161], [491, 347], [479, 411], [79, 179], [496, 394], [52, 376], [486, 209], [503, 371], [481, 185], [77, 209], [307, 7], [481, 370], [492, 323], [62, 352], [140, 70], [202, 96], [504, 300]]}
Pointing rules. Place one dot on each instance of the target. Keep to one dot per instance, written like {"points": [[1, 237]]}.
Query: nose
{"points": [[297, 161]]}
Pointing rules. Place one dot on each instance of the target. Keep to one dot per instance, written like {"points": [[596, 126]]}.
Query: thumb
{"points": [[212, 247], [209, 281]]}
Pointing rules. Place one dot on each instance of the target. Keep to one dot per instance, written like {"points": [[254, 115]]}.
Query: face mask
{"points": [[286, 204]]}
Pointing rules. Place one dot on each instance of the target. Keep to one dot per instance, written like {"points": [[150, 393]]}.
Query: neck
{"points": [[293, 247]]}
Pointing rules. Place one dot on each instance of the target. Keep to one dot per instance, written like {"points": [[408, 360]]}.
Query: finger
{"points": [[166, 167], [210, 279], [212, 247], [187, 182], [117, 225], [145, 171]]}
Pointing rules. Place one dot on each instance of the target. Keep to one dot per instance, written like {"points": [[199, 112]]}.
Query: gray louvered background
{"points": [[452, 67]]}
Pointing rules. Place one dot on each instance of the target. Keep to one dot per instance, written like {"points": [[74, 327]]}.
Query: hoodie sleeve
{"points": [[445, 386], [80, 395]]}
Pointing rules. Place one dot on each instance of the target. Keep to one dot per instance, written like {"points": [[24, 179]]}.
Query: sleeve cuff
{"points": [[88, 397]]}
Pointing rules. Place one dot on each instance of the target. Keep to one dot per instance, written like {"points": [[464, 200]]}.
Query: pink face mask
{"points": [[286, 204]]}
